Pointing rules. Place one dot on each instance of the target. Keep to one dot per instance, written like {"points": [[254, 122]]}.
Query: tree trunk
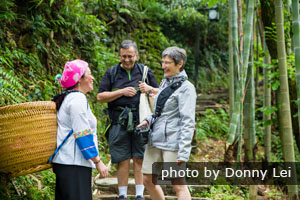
{"points": [[285, 122], [267, 103], [296, 42], [249, 112], [235, 116], [197, 49], [231, 66], [240, 24]]}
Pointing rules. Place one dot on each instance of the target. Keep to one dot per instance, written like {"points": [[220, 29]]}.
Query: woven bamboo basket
{"points": [[27, 137]]}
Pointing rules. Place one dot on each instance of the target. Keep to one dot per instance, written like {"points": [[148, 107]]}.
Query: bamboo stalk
{"points": [[236, 116], [231, 66], [267, 103], [285, 122]]}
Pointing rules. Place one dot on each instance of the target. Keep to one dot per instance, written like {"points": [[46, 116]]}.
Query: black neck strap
{"points": [[164, 95]]}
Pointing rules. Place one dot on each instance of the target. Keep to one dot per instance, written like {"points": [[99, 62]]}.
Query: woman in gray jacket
{"points": [[172, 132]]}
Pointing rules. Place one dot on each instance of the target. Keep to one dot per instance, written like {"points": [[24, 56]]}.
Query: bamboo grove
{"points": [[264, 27]]}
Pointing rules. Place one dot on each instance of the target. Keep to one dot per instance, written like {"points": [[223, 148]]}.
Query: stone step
{"points": [[211, 101], [110, 186], [215, 96], [146, 197]]}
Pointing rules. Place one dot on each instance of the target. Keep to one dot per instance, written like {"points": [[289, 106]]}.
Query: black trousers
{"points": [[72, 182]]}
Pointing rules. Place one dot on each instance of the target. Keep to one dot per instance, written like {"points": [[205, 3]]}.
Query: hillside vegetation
{"points": [[37, 37]]}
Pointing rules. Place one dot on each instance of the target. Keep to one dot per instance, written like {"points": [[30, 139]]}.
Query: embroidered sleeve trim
{"points": [[82, 133]]}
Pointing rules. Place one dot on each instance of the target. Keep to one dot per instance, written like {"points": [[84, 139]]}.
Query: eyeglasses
{"points": [[166, 62], [127, 56]]}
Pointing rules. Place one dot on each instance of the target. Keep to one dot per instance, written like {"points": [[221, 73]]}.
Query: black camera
{"points": [[144, 132]]}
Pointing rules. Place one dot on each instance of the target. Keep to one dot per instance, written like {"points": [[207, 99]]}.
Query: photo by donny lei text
{"points": [[227, 173]]}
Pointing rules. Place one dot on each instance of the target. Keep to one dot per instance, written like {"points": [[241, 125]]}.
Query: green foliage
{"points": [[273, 71], [277, 155], [10, 88], [225, 192], [213, 124], [37, 37], [211, 80], [180, 22], [27, 187], [211, 3], [6, 10], [136, 21]]}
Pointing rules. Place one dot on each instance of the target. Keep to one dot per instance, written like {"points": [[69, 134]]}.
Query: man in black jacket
{"points": [[121, 89]]}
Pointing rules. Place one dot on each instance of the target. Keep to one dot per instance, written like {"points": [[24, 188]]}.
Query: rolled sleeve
{"points": [[187, 106]]}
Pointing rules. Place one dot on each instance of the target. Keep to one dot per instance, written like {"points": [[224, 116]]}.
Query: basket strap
{"points": [[53, 155]]}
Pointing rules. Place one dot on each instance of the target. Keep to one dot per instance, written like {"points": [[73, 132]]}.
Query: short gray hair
{"points": [[126, 44], [176, 53]]}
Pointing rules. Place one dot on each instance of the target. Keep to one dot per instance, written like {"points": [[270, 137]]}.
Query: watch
{"points": [[151, 90]]}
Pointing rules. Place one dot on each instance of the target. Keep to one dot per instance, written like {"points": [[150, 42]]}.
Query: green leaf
{"points": [[275, 85], [122, 20], [51, 2], [124, 10]]}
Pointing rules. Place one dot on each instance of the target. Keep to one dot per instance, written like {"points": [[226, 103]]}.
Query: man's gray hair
{"points": [[176, 53], [126, 44]]}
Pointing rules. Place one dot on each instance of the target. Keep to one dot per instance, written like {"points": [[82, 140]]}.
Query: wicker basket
{"points": [[27, 137]]}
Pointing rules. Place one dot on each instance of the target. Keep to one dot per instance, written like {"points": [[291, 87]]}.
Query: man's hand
{"points": [[144, 88], [128, 91]]}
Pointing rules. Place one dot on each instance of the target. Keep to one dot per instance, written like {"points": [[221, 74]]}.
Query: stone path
{"points": [[212, 101], [107, 189]]}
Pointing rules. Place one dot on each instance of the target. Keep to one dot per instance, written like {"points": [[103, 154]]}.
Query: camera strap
{"points": [[163, 97]]}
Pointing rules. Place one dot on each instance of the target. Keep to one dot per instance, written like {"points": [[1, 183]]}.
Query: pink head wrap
{"points": [[72, 72]]}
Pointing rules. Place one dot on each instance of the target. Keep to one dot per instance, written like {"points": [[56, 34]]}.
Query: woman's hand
{"points": [[143, 123], [102, 169], [179, 162], [144, 88]]}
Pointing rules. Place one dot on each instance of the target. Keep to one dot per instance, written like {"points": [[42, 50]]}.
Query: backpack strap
{"points": [[145, 73], [113, 73], [141, 69], [114, 70], [164, 96]]}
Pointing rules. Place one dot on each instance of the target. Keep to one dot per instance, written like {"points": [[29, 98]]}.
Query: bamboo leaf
{"points": [[51, 2], [124, 10]]}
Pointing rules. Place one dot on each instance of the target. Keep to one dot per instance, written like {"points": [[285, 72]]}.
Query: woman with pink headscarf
{"points": [[77, 132]]}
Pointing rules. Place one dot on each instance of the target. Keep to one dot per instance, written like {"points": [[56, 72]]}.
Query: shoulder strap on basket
{"points": [[57, 149], [164, 96], [59, 98]]}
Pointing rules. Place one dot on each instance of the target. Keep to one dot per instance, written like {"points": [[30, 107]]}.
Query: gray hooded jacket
{"points": [[174, 129]]}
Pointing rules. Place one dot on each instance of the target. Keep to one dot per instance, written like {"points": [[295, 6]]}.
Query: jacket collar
{"points": [[169, 80]]}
